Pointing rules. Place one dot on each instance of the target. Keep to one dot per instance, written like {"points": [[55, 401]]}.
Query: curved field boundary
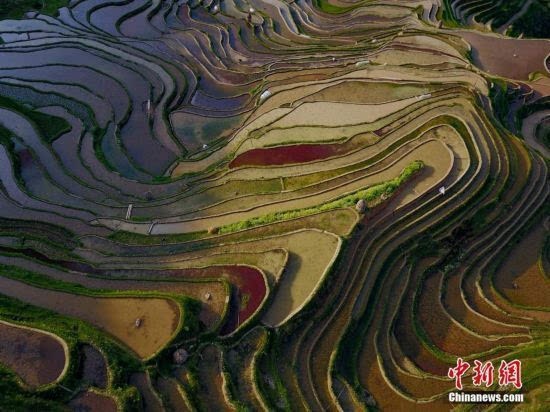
{"points": [[61, 342], [52, 302]]}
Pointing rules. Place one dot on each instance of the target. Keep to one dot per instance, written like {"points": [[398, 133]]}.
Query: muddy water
{"points": [[194, 131], [91, 401], [117, 316], [519, 278], [495, 54], [149, 399], [171, 393], [37, 358], [94, 367]]}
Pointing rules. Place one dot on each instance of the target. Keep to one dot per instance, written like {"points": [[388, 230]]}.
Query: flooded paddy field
{"points": [[93, 367], [117, 316], [511, 58], [257, 205], [92, 401], [36, 357]]}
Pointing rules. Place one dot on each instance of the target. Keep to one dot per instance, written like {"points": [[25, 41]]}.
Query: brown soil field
{"points": [[92, 402], [411, 346], [212, 309], [150, 401], [376, 352], [443, 332], [367, 92], [359, 135], [117, 316], [488, 55], [297, 284], [480, 305], [528, 315], [336, 114], [456, 307], [211, 380], [37, 357], [94, 367]]}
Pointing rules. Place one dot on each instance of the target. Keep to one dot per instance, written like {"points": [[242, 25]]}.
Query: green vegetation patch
{"points": [[535, 22], [49, 127], [327, 7], [447, 15], [15, 9]]}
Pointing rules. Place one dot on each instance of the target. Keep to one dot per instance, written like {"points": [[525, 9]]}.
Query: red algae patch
{"points": [[249, 289], [282, 155], [248, 294], [37, 357]]}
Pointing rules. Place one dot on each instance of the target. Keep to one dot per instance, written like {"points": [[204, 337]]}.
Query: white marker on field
{"points": [[442, 190], [129, 211], [265, 95], [424, 96], [362, 63]]}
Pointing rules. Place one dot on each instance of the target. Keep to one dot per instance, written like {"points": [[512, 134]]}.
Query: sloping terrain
{"points": [[271, 205]]}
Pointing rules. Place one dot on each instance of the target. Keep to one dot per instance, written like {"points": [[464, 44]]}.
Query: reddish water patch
{"points": [[247, 296], [282, 155]]}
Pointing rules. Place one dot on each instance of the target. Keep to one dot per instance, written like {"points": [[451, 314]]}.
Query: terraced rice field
{"points": [[38, 358], [271, 205]]}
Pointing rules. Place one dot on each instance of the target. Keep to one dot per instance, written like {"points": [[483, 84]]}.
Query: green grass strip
{"points": [[49, 127], [368, 194], [15, 9]]}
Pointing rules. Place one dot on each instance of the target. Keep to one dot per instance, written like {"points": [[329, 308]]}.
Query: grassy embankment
{"points": [[49, 127], [368, 195]]}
